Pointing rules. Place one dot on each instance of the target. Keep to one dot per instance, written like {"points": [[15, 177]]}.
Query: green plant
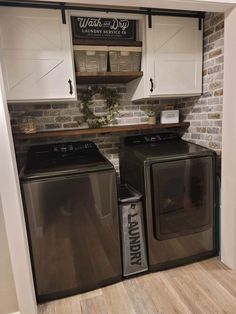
{"points": [[152, 112], [111, 97]]}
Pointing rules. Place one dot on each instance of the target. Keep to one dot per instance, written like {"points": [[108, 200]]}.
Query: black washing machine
{"points": [[70, 201], [177, 179]]}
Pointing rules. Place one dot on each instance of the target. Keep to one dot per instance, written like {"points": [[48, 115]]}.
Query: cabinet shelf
{"points": [[106, 77], [102, 42], [109, 129]]}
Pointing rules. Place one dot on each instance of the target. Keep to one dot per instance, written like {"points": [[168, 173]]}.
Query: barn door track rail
{"points": [[64, 6]]}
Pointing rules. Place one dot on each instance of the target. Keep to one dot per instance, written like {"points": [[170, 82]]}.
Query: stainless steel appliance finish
{"points": [[177, 179], [70, 199]]}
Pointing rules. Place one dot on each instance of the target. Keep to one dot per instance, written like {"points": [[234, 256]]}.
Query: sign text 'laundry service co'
{"points": [[103, 28]]}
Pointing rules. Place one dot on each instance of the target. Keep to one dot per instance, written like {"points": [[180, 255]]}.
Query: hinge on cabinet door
{"points": [[149, 12], [63, 13], [199, 23]]}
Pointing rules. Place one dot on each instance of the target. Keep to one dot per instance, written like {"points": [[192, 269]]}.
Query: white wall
{"points": [[8, 303], [228, 210], [13, 213]]}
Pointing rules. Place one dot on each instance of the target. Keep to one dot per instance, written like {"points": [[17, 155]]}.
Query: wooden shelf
{"points": [[103, 42], [109, 129], [106, 77]]}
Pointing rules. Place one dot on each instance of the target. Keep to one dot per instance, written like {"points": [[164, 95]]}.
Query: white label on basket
{"points": [[90, 53], [124, 53]]}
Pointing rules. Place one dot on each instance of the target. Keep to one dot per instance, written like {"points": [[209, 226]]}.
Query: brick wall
{"points": [[66, 116], [204, 113]]}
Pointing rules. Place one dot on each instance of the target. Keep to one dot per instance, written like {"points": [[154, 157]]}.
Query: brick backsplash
{"points": [[66, 116], [204, 113]]}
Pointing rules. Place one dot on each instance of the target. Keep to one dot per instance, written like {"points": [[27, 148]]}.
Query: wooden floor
{"points": [[203, 287]]}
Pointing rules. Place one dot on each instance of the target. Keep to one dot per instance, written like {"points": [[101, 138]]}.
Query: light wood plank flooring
{"points": [[204, 287]]}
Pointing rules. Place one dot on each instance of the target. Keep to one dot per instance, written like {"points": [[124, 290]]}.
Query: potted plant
{"points": [[151, 113]]}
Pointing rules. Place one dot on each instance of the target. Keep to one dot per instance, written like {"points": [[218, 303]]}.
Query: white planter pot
{"points": [[151, 120]]}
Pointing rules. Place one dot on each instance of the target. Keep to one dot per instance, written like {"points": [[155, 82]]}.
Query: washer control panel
{"points": [[74, 147]]}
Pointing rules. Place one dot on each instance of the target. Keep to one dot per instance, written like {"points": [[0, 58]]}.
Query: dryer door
{"points": [[183, 197]]}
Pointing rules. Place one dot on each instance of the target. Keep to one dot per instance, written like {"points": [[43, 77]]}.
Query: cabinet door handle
{"points": [[71, 87], [151, 81]]}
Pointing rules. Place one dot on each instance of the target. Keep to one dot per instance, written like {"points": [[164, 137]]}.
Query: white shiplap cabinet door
{"points": [[174, 56], [36, 55]]}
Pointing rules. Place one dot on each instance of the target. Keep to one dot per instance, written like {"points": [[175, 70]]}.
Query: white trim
{"points": [[228, 208], [13, 213], [197, 5]]}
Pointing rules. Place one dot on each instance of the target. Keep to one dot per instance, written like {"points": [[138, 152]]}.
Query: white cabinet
{"points": [[36, 55], [172, 60]]}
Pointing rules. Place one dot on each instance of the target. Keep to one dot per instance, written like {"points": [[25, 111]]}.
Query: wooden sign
{"points": [[84, 27]]}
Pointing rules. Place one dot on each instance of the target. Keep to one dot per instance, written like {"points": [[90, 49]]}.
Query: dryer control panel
{"points": [[150, 138]]}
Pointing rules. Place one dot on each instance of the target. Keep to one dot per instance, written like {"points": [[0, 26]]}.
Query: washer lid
{"points": [[64, 158]]}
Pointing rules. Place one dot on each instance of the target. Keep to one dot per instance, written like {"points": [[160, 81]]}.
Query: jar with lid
{"points": [[27, 125]]}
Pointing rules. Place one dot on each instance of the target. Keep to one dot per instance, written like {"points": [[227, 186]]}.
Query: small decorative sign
{"points": [[103, 28]]}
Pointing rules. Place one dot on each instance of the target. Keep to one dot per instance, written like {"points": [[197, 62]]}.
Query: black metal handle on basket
{"points": [[71, 87], [151, 81]]}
